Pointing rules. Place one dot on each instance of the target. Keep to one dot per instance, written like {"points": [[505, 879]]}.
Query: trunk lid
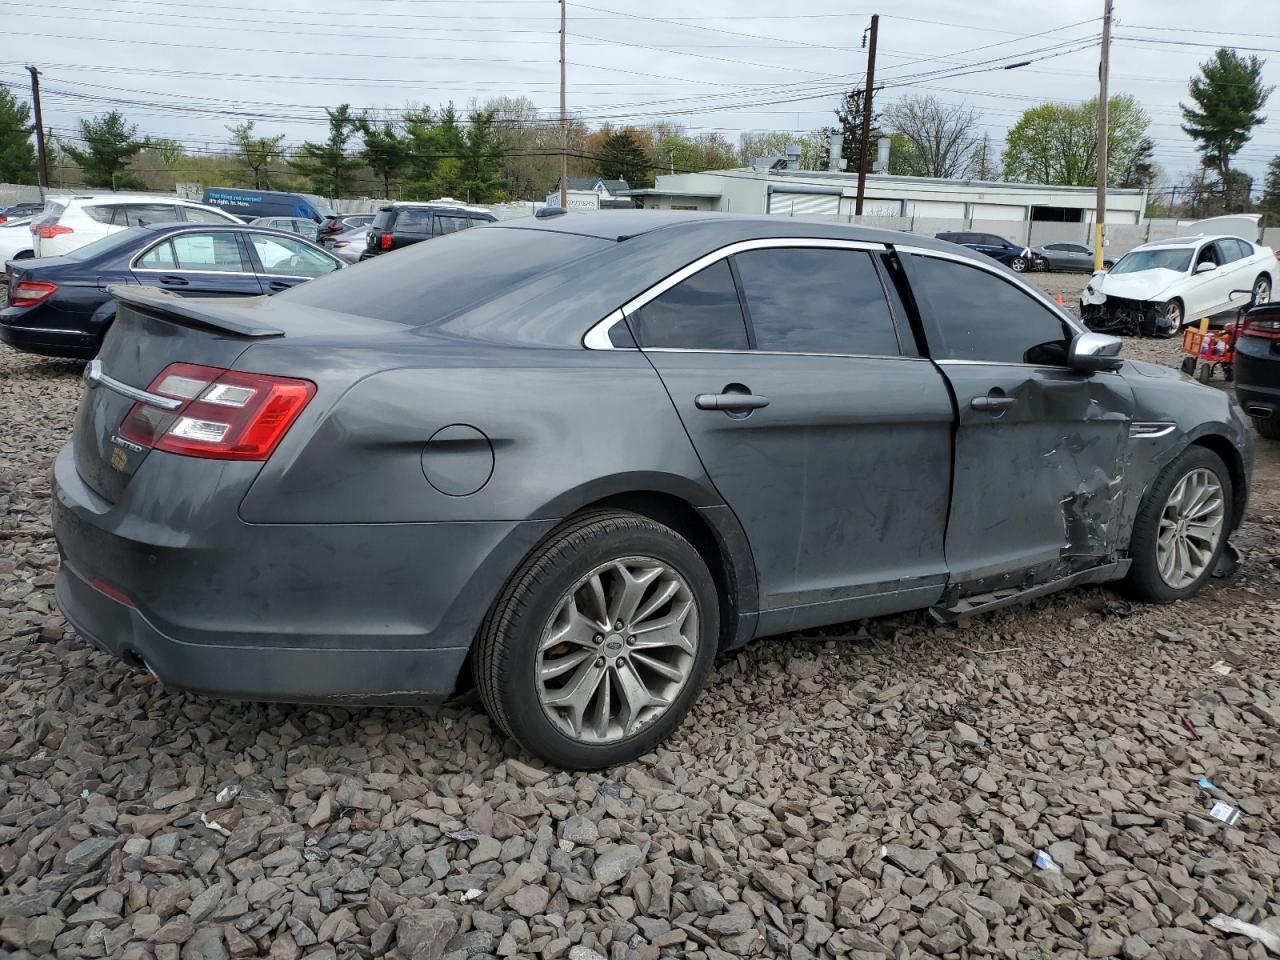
{"points": [[152, 329]]}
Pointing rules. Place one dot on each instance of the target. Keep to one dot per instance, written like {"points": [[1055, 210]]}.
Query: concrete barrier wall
{"points": [[1271, 237]]}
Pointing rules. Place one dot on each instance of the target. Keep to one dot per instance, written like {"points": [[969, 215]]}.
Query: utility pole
{"points": [[40, 154], [1100, 216], [564, 124], [865, 146]]}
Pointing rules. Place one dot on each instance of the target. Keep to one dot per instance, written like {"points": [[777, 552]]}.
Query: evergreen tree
{"points": [[386, 150], [109, 144], [622, 158], [1227, 98], [328, 166], [849, 116], [1270, 204], [17, 155]]}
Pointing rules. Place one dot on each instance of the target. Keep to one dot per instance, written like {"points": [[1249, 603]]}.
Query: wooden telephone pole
{"points": [[564, 124], [43, 162], [864, 151], [1100, 215]]}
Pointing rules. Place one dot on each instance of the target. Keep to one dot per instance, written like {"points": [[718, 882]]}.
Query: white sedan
{"points": [[15, 240], [1159, 287]]}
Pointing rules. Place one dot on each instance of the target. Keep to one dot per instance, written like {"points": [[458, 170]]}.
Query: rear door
{"points": [[198, 264], [412, 225], [284, 262], [1040, 448], [819, 425]]}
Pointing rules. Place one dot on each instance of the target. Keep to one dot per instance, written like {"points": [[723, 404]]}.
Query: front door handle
{"points": [[278, 285], [729, 401], [992, 403], [169, 281]]}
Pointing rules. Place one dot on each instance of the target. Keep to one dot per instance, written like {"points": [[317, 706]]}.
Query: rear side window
{"points": [[159, 258], [446, 224], [410, 220], [284, 256], [699, 313], [198, 215], [816, 301], [141, 214], [975, 315], [381, 221], [101, 214], [208, 252]]}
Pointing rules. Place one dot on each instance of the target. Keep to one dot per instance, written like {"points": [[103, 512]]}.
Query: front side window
{"points": [[816, 300], [977, 315], [701, 312], [286, 257]]}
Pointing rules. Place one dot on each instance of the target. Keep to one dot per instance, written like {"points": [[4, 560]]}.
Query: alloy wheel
{"points": [[619, 648], [1173, 314], [1190, 528], [1262, 291], [1018, 264]]}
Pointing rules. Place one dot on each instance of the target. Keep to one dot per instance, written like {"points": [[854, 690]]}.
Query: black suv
{"points": [[997, 248], [401, 224]]}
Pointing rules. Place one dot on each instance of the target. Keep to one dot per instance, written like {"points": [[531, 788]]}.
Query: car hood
{"points": [[1142, 285], [1156, 371]]}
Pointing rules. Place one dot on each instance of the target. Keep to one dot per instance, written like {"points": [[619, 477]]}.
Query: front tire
{"points": [[1173, 316], [1018, 264], [1181, 528], [597, 647]]}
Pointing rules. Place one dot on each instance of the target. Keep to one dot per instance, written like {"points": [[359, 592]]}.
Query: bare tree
{"points": [[942, 143]]}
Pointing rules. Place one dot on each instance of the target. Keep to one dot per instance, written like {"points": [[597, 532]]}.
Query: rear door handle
{"points": [[174, 281], [280, 285], [729, 401], [992, 403]]}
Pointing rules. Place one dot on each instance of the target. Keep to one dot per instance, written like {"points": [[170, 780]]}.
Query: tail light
{"points": [[27, 293], [225, 414], [385, 241], [1264, 329], [48, 231], [3, 218]]}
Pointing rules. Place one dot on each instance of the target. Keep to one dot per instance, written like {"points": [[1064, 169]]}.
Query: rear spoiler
{"points": [[212, 313]]}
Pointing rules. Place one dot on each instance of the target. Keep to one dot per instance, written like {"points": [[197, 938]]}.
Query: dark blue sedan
{"points": [[60, 307]]}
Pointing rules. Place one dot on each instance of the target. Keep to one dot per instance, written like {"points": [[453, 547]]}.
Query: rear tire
{"points": [[1267, 427], [553, 595], [1169, 513]]}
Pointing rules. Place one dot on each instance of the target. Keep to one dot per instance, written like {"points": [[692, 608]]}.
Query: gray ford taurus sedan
{"points": [[570, 460]]}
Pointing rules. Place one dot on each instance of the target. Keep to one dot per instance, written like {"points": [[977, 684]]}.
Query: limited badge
{"points": [[119, 458]]}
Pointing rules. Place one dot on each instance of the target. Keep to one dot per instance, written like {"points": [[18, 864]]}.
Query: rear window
{"points": [[52, 211], [430, 281]]}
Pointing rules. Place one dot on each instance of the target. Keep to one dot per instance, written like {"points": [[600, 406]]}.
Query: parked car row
{"points": [[61, 263]]}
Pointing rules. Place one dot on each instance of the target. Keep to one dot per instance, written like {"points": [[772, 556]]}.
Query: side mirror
{"points": [[1205, 267], [1090, 352]]}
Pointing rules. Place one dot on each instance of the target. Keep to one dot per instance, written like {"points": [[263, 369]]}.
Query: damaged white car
{"points": [[1157, 288]]}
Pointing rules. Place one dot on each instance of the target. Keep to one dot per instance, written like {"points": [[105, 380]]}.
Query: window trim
{"points": [[597, 337]]}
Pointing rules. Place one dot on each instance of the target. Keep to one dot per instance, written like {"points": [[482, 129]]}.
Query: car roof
{"points": [[1175, 242], [620, 225]]}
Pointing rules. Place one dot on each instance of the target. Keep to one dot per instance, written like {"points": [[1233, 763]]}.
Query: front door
{"points": [[821, 429], [283, 262], [1039, 449]]}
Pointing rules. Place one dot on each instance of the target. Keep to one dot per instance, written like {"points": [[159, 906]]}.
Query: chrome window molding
{"points": [[1028, 366], [597, 338]]}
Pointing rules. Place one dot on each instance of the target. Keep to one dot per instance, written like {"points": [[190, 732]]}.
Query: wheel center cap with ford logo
{"points": [[613, 644]]}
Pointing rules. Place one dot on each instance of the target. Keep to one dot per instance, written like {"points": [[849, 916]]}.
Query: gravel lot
{"points": [[881, 789]]}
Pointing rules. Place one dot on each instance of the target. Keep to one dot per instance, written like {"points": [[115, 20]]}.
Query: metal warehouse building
{"points": [[1024, 212]]}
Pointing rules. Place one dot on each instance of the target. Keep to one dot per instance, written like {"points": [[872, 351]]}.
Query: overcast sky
{"points": [[185, 71]]}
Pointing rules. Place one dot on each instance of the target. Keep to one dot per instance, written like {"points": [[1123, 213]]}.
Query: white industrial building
{"points": [[1023, 212]]}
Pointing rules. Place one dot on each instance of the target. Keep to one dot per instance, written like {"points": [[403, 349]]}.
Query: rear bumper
{"points": [[47, 342], [1257, 376], [362, 613]]}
